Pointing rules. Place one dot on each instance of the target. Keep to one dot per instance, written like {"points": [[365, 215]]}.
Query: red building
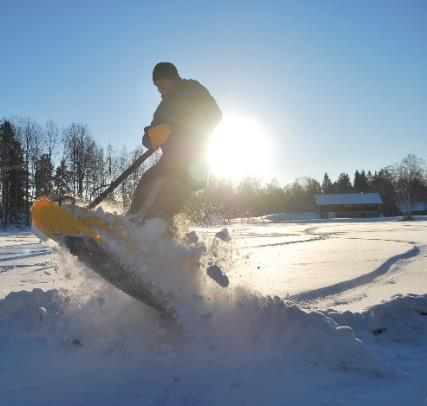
{"points": [[349, 205]]}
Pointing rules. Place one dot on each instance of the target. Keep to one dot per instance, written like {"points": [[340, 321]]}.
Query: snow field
{"points": [[325, 341]]}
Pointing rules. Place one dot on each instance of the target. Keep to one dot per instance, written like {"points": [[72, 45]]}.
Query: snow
{"points": [[316, 312], [289, 216]]}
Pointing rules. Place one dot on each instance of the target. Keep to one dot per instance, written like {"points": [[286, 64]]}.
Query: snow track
{"points": [[25, 262], [356, 282]]}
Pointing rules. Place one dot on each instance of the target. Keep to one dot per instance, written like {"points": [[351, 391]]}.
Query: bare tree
{"points": [[51, 139], [409, 176], [123, 161], [30, 136], [78, 150]]}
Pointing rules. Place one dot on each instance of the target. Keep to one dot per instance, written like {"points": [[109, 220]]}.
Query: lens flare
{"points": [[239, 147]]}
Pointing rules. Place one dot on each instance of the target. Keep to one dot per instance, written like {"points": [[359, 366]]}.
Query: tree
{"points": [[311, 187], [30, 135], [274, 197], [123, 161], [327, 186], [17, 183], [62, 180], [51, 139], [13, 174], [79, 148], [248, 197], [409, 181], [95, 176], [360, 182], [43, 178], [383, 184], [343, 184]]}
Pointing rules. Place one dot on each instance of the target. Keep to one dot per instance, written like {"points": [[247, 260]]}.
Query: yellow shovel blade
{"points": [[54, 221]]}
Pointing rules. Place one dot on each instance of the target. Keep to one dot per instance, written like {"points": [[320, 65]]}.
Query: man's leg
{"points": [[159, 195], [143, 189], [168, 198]]}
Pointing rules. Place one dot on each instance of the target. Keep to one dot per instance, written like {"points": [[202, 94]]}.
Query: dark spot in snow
{"points": [[76, 342], [215, 272], [223, 235], [192, 237], [100, 300], [198, 298], [423, 313], [378, 331]]}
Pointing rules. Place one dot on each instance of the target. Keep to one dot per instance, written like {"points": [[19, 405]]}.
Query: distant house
{"points": [[349, 205], [414, 208]]}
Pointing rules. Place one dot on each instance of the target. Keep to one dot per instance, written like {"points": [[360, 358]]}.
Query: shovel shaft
{"points": [[116, 182]]}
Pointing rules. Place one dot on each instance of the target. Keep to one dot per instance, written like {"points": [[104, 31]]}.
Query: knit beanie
{"points": [[165, 70]]}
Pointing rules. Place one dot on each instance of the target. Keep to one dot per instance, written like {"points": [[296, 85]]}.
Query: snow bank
{"points": [[230, 326], [401, 320], [237, 327], [214, 323]]}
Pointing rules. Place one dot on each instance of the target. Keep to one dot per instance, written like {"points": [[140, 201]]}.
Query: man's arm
{"points": [[190, 112], [158, 132]]}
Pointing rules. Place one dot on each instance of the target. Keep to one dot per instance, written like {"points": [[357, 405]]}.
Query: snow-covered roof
{"points": [[347, 198]]}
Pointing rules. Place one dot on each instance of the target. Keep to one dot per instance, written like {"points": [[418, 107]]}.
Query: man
{"points": [[181, 126]]}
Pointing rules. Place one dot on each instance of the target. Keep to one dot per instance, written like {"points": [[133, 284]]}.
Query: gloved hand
{"points": [[159, 134], [146, 138]]}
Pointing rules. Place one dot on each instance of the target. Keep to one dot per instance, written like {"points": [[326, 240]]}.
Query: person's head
{"points": [[165, 75]]}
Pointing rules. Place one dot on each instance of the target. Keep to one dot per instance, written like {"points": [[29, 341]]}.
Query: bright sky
{"points": [[334, 85]]}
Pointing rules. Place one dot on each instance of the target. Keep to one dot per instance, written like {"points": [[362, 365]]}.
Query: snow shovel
{"points": [[116, 182]]}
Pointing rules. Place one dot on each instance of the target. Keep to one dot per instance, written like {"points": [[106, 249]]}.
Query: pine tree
{"points": [[343, 184], [43, 178], [364, 182], [356, 181], [382, 183], [327, 186], [12, 173], [62, 180], [360, 183], [17, 183]]}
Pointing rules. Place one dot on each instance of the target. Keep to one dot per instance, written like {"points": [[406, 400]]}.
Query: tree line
{"points": [[399, 184], [44, 160]]}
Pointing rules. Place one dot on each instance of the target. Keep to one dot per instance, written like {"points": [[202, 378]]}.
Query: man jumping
{"points": [[181, 126]]}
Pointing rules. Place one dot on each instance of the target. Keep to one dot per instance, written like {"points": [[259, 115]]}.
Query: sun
{"points": [[239, 147]]}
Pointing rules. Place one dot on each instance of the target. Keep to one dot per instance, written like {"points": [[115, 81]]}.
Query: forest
{"points": [[49, 161]]}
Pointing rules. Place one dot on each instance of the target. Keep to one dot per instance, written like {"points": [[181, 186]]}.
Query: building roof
{"points": [[347, 198]]}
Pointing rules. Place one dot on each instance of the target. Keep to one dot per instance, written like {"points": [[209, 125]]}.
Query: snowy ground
{"points": [[348, 325]]}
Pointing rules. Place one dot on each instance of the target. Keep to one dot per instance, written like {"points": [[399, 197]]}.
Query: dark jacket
{"points": [[193, 114]]}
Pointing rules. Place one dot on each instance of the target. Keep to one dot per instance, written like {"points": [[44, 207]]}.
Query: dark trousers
{"points": [[160, 193]]}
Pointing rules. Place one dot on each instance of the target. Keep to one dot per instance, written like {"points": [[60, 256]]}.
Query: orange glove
{"points": [[159, 134]]}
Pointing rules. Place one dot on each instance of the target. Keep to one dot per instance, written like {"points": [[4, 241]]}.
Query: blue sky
{"points": [[339, 85]]}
